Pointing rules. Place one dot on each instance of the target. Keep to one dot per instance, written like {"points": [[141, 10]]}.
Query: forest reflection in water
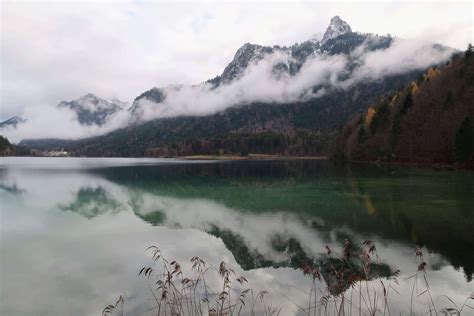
{"points": [[268, 217]]}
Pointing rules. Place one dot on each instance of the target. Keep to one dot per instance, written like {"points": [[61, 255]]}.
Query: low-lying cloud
{"points": [[402, 56], [46, 121], [319, 75], [258, 83]]}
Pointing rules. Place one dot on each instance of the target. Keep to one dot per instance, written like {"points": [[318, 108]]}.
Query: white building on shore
{"points": [[55, 153]]}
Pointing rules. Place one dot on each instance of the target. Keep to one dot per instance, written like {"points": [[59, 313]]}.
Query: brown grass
{"points": [[347, 290]]}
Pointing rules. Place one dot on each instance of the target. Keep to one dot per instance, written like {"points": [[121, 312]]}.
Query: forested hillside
{"points": [[299, 128], [431, 121], [308, 91], [6, 148]]}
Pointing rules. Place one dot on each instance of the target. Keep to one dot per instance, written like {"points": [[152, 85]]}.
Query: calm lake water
{"points": [[74, 231]]}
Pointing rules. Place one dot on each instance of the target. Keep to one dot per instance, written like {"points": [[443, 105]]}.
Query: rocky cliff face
{"points": [[336, 28]]}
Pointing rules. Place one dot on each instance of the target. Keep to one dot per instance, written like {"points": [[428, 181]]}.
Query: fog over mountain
{"points": [[87, 115], [268, 74], [92, 110], [269, 77]]}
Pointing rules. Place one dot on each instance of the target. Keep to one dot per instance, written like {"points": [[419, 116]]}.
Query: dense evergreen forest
{"points": [[6, 148], [428, 122]]}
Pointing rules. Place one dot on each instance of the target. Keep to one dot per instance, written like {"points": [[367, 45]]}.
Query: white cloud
{"points": [[53, 51], [402, 56], [54, 122], [258, 83], [60, 50]]}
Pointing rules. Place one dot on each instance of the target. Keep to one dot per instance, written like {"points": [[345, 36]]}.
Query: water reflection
{"points": [[90, 202], [266, 218], [13, 189], [414, 207]]}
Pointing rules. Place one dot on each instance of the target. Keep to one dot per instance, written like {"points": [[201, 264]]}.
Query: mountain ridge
{"points": [[93, 110], [301, 127], [339, 40]]}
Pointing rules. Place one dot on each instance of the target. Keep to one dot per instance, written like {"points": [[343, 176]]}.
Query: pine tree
{"points": [[464, 141], [468, 53]]}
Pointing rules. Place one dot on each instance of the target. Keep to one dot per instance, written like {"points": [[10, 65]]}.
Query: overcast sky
{"points": [[60, 50]]}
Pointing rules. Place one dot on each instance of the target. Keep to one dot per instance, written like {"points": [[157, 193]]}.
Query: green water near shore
{"points": [[77, 228]]}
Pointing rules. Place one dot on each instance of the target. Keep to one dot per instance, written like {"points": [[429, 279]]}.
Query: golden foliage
{"points": [[414, 88], [370, 115], [432, 72], [395, 97]]}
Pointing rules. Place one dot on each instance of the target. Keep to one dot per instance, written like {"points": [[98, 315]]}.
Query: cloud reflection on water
{"points": [[56, 262]]}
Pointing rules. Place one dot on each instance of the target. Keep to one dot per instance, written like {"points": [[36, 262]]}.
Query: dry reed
{"points": [[348, 288]]}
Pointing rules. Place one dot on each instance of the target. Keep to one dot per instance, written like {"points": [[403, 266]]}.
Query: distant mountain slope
{"points": [[299, 127], [92, 110], [89, 110], [338, 39], [12, 122], [430, 121]]}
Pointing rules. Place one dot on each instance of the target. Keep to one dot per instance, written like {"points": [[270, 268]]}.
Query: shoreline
{"points": [[250, 157], [196, 157], [265, 157], [421, 165]]}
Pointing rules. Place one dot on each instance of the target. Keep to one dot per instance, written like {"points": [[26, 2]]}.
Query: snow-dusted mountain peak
{"points": [[92, 110], [336, 27], [245, 55]]}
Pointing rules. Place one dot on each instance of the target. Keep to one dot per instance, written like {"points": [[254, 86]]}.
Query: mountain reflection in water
{"points": [[403, 205], [268, 215]]}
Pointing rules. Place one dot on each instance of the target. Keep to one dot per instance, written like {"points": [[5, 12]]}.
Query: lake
{"points": [[74, 231]]}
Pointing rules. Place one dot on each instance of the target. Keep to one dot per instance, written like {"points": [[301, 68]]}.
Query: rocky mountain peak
{"points": [[245, 55], [92, 110], [336, 27]]}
